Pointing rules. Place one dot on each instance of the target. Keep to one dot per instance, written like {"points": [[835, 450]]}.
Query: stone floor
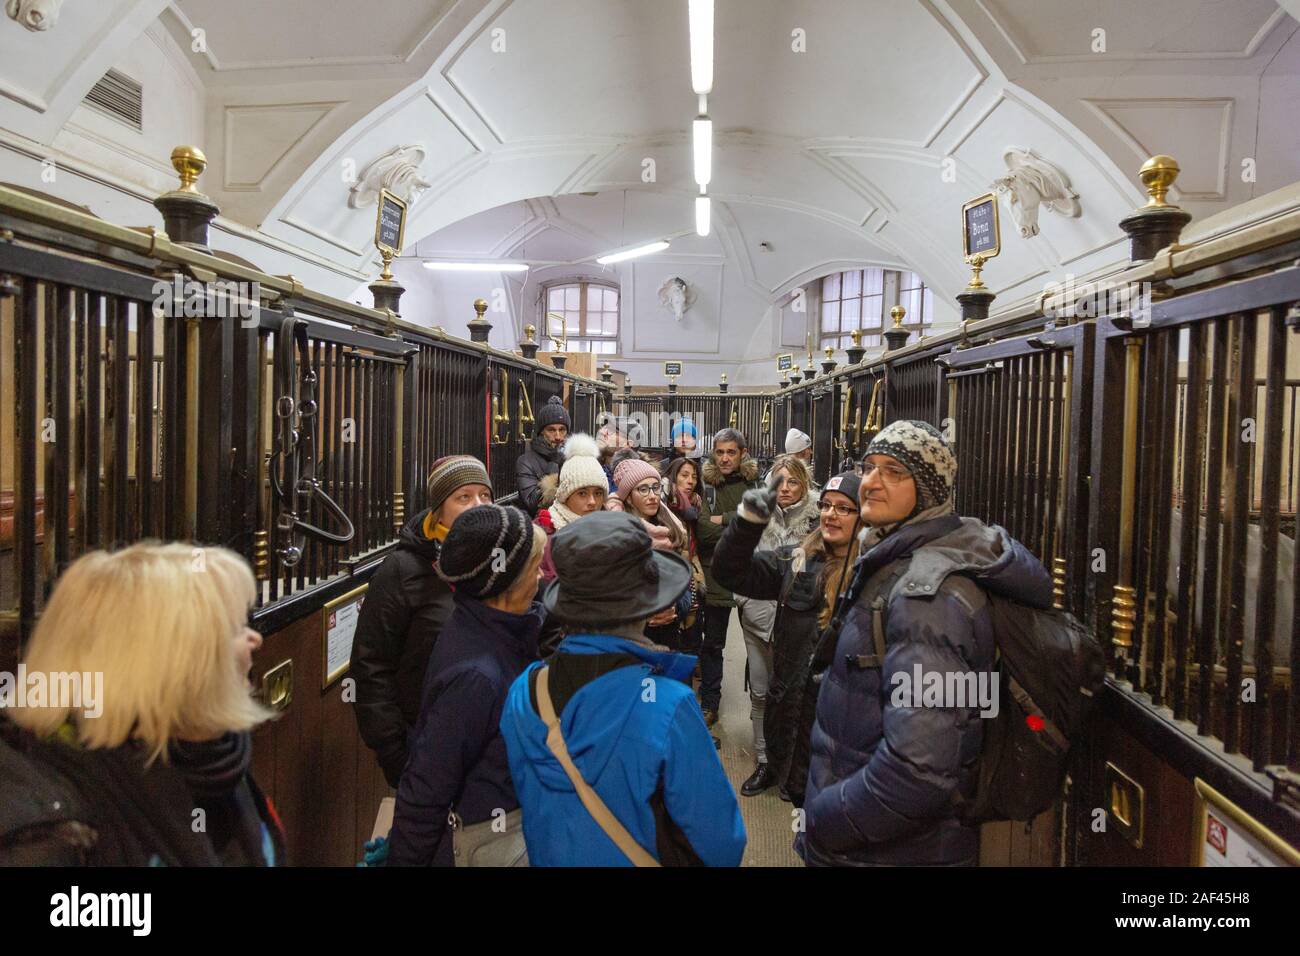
{"points": [[768, 819]]}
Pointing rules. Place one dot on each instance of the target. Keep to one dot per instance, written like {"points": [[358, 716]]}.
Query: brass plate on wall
{"points": [[276, 688], [1125, 804]]}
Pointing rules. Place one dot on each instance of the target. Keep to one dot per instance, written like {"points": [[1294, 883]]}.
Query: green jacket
{"points": [[726, 493]]}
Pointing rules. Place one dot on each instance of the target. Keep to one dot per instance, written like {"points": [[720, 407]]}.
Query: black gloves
{"points": [[758, 504]]}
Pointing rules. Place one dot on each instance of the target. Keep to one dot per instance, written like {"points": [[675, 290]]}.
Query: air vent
{"points": [[120, 97]]}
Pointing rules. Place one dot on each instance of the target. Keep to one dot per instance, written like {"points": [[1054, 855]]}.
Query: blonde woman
{"points": [[163, 629]]}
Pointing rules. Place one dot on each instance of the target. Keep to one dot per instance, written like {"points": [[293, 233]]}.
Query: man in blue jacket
{"points": [[628, 719]]}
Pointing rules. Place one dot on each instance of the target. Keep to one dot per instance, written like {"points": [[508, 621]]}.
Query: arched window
{"points": [[590, 311], [862, 298]]}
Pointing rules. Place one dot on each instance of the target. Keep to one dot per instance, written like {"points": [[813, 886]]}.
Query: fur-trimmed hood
{"points": [[748, 471]]}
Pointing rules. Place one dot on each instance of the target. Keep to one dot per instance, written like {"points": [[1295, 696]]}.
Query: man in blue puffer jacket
{"points": [[629, 720], [887, 764]]}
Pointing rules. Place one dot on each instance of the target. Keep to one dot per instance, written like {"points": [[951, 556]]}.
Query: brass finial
{"points": [[1158, 174], [190, 162], [795, 367], [480, 306], [976, 264], [723, 376], [897, 313], [605, 367], [529, 332], [830, 352], [856, 336]]}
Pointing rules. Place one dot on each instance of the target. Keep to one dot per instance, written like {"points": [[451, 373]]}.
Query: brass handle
{"points": [[276, 688]]}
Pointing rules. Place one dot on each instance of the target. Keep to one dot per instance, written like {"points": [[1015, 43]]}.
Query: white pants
{"points": [[756, 619]]}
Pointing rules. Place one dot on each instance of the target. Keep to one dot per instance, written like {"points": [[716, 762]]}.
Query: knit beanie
{"points": [[452, 472], [921, 449], [631, 473], [486, 550], [796, 441], [581, 468], [553, 413], [683, 426], [846, 484]]}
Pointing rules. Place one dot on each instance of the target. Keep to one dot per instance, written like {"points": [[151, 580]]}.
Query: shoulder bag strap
{"points": [[590, 799]]}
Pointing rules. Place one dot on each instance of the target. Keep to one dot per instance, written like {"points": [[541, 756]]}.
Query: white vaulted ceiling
{"points": [[836, 155]]}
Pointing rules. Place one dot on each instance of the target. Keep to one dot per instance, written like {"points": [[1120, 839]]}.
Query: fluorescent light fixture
{"points": [[701, 17], [703, 139], [633, 252], [443, 266], [703, 214]]}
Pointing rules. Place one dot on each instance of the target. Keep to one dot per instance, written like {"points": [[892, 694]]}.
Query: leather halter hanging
{"points": [[294, 483]]}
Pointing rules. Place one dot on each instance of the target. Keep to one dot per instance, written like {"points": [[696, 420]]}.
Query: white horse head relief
{"points": [[35, 15], [676, 295], [1030, 182], [398, 171]]}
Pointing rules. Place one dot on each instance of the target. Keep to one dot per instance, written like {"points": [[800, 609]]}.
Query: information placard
{"points": [[340, 618], [785, 362], [390, 225], [672, 368], [1229, 836], [980, 231]]}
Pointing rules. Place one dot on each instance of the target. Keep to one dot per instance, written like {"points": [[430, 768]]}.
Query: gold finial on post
{"points": [[976, 263], [830, 352], [1158, 174], [856, 336], [897, 313], [529, 332], [189, 162], [480, 307], [479, 327]]}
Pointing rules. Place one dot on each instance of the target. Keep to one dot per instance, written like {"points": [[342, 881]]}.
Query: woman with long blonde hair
{"points": [[156, 770]]}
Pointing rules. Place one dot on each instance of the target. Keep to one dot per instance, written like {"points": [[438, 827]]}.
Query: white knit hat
{"points": [[796, 441], [581, 467]]}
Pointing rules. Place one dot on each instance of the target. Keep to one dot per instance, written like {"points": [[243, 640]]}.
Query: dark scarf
{"points": [[216, 773], [546, 450]]}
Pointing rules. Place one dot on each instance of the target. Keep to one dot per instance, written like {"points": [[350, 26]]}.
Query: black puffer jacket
{"points": [[538, 461], [771, 576], [403, 613]]}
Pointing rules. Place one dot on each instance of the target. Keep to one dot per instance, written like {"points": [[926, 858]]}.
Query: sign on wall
{"points": [[390, 224], [339, 622], [980, 232], [1229, 836], [785, 362], [672, 368]]}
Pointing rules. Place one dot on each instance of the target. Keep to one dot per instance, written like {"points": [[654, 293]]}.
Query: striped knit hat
{"points": [[452, 472], [919, 447], [486, 550]]}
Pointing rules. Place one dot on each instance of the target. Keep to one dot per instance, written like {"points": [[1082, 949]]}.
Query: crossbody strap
{"points": [[590, 799]]}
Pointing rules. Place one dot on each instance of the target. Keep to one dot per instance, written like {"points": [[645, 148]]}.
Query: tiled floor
{"points": [[768, 819]]}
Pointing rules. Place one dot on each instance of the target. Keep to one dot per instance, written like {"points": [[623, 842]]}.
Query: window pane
{"points": [[908, 281], [875, 282], [871, 311], [571, 297], [611, 299], [555, 299], [571, 320], [611, 323], [830, 316], [831, 287], [850, 314], [852, 284], [927, 306]]}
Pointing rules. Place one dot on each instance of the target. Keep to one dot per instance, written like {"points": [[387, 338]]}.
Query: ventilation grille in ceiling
{"points": [[120, 97]]}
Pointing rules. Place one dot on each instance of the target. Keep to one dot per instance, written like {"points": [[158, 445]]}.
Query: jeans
{"points": [[756, 618], [715, 639]]}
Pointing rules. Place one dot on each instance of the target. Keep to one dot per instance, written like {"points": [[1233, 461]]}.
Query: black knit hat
{"points": [[846, 483], [554, 413], [486, 550]]}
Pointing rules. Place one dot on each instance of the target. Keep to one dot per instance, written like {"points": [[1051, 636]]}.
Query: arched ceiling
{"points": [[840, 150]]}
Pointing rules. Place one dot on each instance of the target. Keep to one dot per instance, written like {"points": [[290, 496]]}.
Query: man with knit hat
{"points": [[404, 611], [544, 455], [611, 760], [458, 765], [887, 769]]}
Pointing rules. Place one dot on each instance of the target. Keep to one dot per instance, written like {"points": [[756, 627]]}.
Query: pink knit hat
{"points": [[631, 473]]}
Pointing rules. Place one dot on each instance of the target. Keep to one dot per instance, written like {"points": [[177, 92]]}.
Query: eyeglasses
{"points": [[890, 474], [646, 491], [844, 511]]}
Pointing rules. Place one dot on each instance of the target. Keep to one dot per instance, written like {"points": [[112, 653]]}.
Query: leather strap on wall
{"points": [[590, 799]]}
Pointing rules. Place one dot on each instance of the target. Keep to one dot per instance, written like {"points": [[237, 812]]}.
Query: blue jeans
{"points": [[716, 620]]}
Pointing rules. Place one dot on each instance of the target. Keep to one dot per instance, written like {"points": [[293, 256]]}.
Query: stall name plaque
{"points": [[980, 233], [390, 228], [672, 368], [339, 628], [785, 362]]}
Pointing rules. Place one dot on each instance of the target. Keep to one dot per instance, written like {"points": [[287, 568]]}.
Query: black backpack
{"points": [[1050, 669]]}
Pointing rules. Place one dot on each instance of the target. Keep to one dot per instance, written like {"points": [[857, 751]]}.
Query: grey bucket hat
{"points": [[608, 572]]}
